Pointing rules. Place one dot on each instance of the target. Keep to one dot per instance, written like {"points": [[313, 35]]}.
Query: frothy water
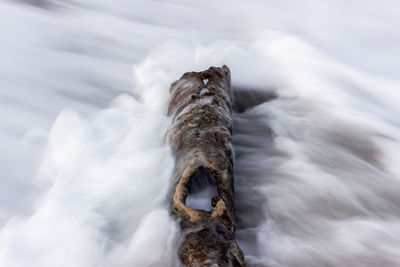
{"points": [[86, 169], [325, 196]]}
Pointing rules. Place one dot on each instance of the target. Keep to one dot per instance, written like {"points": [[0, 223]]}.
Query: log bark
{"points": [[200, 137]]}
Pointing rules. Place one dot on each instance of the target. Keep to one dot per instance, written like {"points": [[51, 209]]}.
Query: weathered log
{"points": [[200, 137]]}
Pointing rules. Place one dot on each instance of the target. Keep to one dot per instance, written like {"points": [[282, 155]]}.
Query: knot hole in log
{"points": [[202, 190]]}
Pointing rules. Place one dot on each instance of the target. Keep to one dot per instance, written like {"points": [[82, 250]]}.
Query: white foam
{"points": [[101, 175]]}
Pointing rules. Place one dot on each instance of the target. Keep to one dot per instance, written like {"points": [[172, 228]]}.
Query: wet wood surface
{"points": [[200, 136]]}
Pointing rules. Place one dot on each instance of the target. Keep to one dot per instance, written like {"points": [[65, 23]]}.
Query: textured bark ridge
{"points": [[200, 136]]}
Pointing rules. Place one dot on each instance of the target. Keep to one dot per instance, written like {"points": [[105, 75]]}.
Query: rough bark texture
{"points": [[200, 136]]}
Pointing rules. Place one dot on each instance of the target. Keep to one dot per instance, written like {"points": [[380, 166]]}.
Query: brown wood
{"points": [[200, 137]]}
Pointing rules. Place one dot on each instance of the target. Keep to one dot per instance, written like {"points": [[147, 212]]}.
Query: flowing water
{"points": [[85, 169]]}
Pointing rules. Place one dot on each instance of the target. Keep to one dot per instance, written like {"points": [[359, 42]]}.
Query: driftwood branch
{"points": [[200, 136]]}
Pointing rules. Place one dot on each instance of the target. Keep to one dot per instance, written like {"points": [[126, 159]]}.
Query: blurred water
{"points": [[84, 165]]}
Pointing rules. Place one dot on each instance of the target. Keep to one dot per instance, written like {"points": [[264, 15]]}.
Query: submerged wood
{"points": [[200, 137]]}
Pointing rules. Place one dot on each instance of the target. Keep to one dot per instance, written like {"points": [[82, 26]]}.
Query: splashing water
{"points": [[85, 168]]}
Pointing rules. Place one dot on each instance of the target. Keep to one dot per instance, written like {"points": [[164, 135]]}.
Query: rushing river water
{"points": [[85, 169]]}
